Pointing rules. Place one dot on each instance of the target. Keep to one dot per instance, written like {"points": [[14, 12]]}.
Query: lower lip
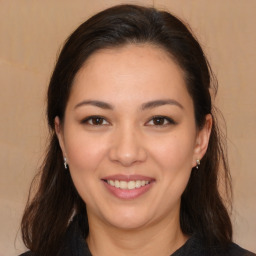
{"points": [[128, 193]]}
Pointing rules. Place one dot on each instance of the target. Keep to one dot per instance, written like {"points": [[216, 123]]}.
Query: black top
{"points": [[75, 245]]}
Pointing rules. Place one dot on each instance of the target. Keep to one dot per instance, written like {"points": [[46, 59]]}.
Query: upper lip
{"points": [[128, 177]]}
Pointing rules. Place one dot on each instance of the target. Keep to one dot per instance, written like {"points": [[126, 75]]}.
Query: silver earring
{"points": [[65, 163], [197, 163]]}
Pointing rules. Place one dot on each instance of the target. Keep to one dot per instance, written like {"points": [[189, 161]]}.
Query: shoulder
{"points": [[231, 250], [196, 246], [236, 250]]}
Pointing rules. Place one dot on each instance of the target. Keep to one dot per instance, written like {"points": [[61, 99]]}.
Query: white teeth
{"points": [[123, 184], [132, 184], [138, 184], [117, 184]]}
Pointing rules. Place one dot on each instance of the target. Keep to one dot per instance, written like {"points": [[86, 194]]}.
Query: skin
{"points": [[128, 140]]}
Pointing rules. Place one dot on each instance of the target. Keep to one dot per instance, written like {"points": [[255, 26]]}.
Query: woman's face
{"points": [[130, 136]]}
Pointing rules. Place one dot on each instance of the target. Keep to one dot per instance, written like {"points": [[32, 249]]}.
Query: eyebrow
{"points": [[96, 103], [144, 106], [158, 103]]}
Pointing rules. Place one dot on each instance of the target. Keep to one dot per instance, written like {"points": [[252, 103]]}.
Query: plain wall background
{"points": [[31, 34]]}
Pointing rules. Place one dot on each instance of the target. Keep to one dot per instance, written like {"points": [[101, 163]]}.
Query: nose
{"points": [[127, 147]]}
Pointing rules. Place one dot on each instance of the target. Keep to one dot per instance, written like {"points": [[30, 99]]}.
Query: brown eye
{"points": [[95, 120], [160, 121]]}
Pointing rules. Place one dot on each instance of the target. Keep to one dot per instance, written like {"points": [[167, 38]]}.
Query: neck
{"points": [[162, 238]]}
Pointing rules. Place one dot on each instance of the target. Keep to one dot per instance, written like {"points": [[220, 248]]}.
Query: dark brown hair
{"points": [[47, 214]]}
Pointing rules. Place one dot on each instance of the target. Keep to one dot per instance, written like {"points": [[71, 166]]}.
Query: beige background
{"points": [[31, 33]]}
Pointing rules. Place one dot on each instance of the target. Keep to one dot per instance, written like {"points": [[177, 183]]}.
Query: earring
{"points": [[197, 163], [65, 163]]}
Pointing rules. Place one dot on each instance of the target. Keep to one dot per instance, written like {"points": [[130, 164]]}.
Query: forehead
{"points": [[141, 70]]}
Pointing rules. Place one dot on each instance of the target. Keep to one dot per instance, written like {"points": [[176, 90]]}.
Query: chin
{"points": [[128, 220], [128, 224]]}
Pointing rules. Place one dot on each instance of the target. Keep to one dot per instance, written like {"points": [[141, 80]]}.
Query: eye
{"points": [[160, 121], [95, 120]]}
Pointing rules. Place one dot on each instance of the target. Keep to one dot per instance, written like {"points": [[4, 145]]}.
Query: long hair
{"points": [[48, 212]]}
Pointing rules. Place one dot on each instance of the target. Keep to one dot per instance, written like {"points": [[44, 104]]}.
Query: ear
{"points": [[202, 140], [59, 133]]}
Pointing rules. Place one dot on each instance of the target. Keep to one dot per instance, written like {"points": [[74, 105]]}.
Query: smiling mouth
{"points": [[132, 184]]}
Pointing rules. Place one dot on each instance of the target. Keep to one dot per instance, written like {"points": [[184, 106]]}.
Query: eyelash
{"points": [[166, 121], [91, 118]]}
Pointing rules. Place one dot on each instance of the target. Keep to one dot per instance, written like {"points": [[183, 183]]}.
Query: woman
{"points": [[135, 152]]}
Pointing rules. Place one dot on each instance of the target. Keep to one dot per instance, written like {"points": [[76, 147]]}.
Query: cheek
{"points": [[175, 151], [175, 158], [84, 154]]}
